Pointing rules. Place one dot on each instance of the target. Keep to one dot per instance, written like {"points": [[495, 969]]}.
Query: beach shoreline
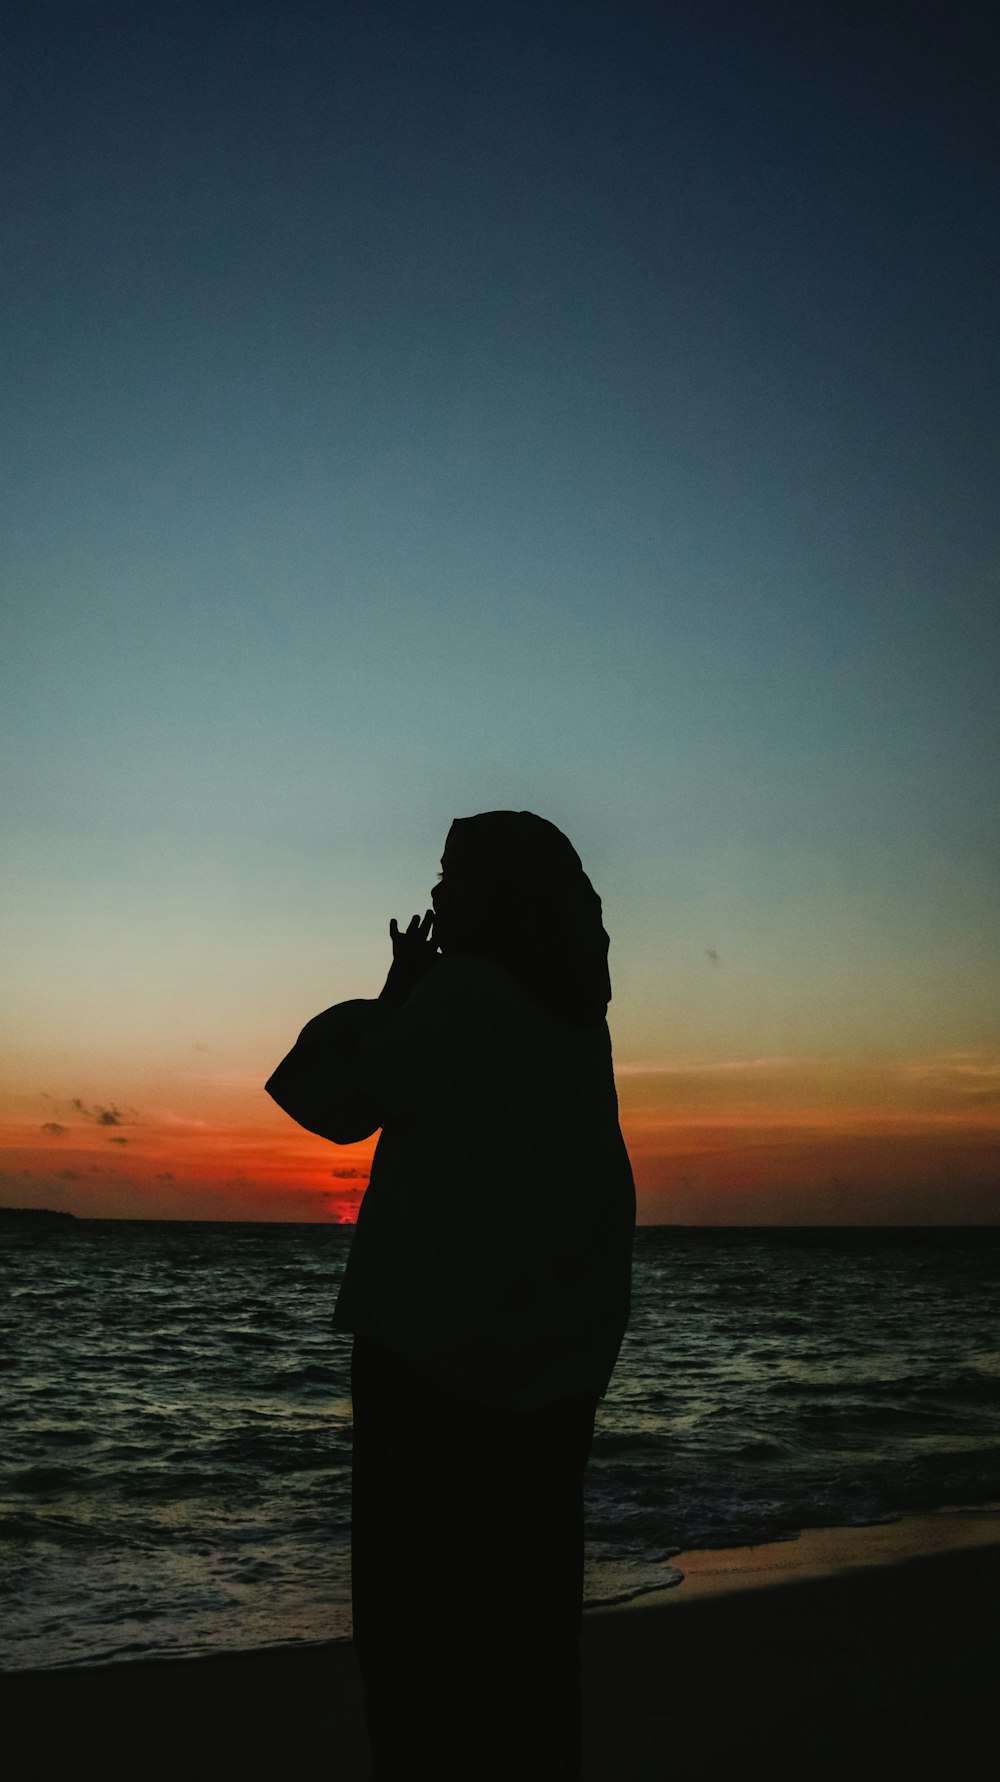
{"points": [[815, 1553], [811, 1655]]}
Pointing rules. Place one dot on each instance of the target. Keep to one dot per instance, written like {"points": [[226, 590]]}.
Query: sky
{"points": [[416, 409]]}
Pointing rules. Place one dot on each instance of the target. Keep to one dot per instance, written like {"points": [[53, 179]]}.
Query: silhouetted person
{"points": [[487, 1287]]}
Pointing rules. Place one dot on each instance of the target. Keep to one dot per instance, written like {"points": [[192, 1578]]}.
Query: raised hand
{"points": [[413, 953]]}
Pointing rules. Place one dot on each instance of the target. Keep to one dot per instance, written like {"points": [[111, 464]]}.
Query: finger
{"points": [[425, 926], [393, 928]]}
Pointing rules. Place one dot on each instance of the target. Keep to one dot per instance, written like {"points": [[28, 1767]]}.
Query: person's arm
{"points": [[322, 1083]]}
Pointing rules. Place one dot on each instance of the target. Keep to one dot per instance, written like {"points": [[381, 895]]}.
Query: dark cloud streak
{"points": [[109, 1116]]}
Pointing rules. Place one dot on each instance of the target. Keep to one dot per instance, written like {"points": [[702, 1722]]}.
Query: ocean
{"points": [[176, 1418]]}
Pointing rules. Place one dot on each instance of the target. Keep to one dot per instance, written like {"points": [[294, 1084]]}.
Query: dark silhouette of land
{"points": [[888, 1671], [35, 1216]]}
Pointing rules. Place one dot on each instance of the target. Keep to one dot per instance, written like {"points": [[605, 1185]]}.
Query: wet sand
{"points": [[845, 1650]]}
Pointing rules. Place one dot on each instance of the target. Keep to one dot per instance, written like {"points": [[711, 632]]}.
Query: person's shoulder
{"points": [[465, 988], [467, 991], [466, 978]]}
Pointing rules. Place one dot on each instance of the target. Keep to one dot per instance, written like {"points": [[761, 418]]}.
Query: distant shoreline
{"points": [[33, 1213], [47, 1214]]}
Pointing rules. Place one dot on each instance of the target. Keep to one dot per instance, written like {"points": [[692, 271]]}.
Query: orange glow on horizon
{"points": [[772, 1140], [172, 1167]]}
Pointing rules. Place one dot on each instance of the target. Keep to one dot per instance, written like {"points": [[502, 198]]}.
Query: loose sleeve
{"points": [[321, 1083]]}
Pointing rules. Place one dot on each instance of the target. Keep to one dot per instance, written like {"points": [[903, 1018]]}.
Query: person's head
{"points": [[513, 889]]}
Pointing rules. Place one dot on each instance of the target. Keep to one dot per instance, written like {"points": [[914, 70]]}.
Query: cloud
{"points": [[346, 1171], [54, 1127], [200, 1046], [972, 1074], [71, 1175], [118, 1141], [109, 1116], [164, 1175], [675, 1067]]}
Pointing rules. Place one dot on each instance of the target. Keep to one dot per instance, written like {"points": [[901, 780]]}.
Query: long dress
{"points": [[487, 1289]]}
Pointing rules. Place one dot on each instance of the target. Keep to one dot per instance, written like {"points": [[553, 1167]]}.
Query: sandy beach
{"points": [[843, 1650]]}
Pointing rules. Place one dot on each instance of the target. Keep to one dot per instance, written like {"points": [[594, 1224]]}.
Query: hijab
{"points": [[513, 890]]}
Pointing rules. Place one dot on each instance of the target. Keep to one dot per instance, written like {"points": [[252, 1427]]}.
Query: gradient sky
{"points": [[418, 409]]}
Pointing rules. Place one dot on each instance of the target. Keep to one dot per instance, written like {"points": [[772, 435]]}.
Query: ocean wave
{"points": [[179, 1442]]}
